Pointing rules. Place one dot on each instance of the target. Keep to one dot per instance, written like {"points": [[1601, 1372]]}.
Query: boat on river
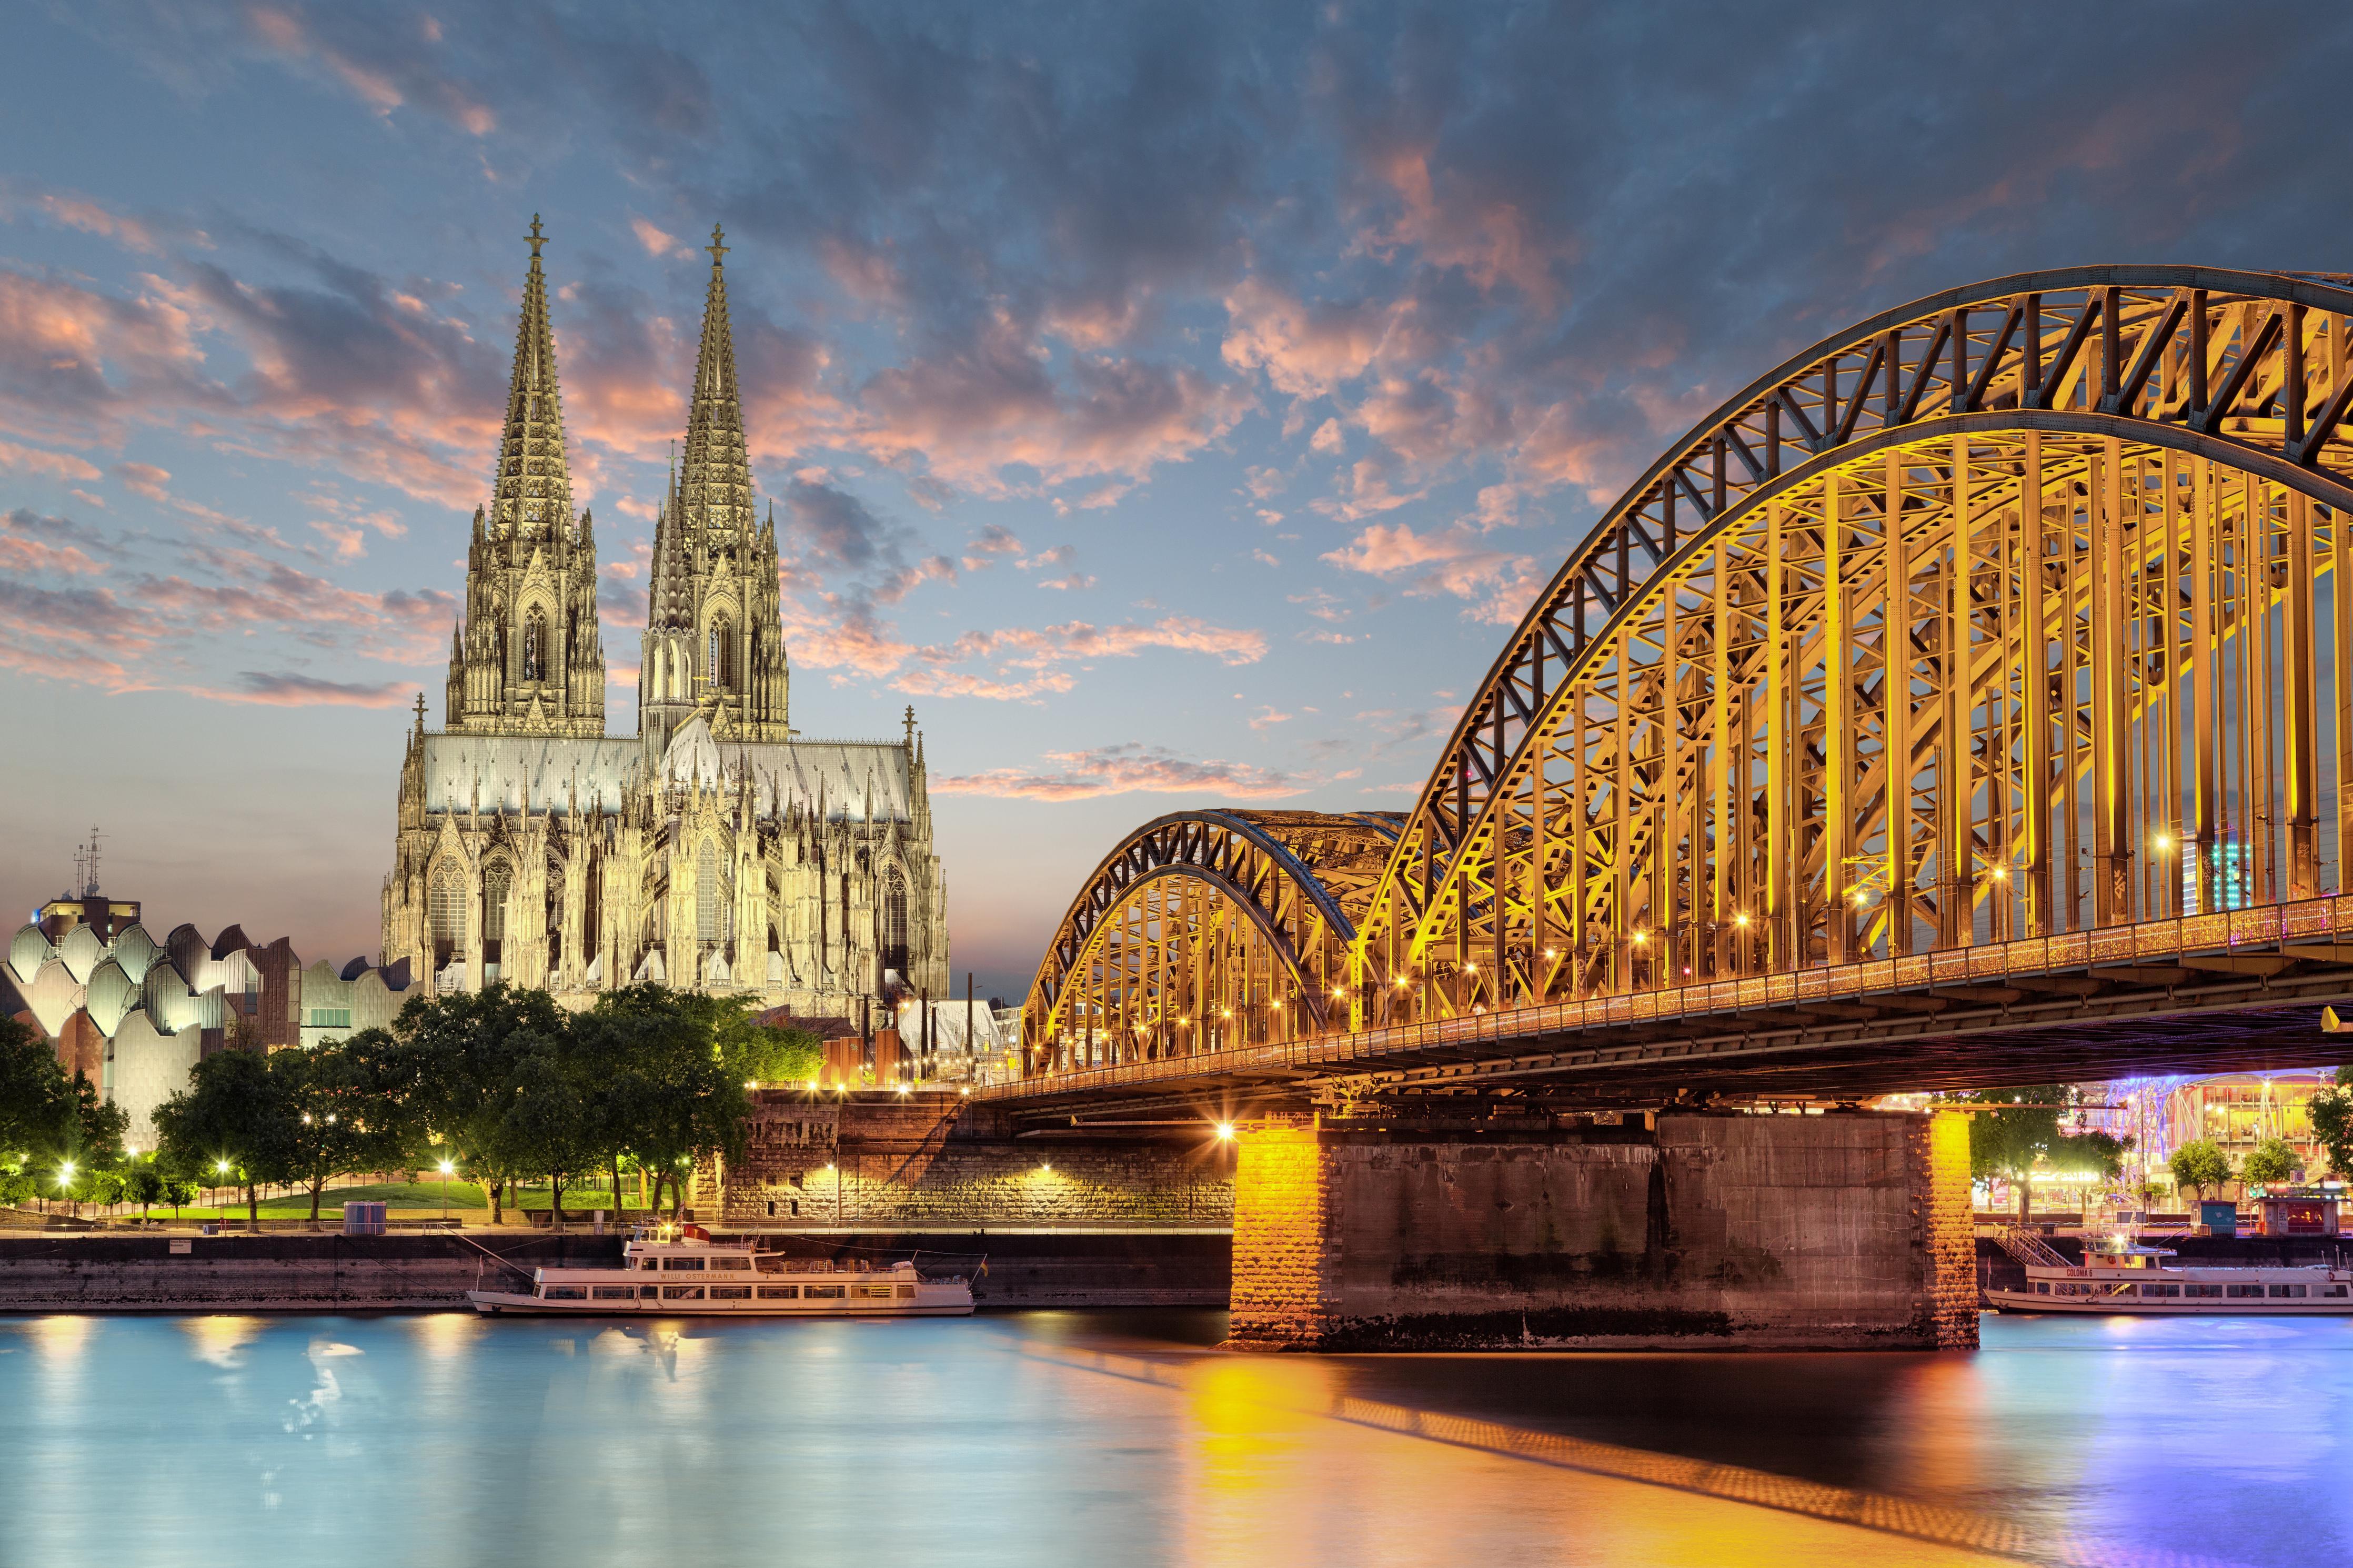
{"points": [[692, 1276], [2131, 1279]]}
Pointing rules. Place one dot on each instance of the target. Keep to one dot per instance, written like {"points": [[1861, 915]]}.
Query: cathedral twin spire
{"points": [[527, 656]]}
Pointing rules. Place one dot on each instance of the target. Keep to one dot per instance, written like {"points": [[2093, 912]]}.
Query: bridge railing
{"points": [[2268, 926]]}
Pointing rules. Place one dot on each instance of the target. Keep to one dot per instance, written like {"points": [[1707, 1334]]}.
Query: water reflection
{"points": [[1088, 1438]]}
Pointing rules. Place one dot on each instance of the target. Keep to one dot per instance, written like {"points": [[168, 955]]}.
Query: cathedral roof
{"points": [[547, 770], [844, 774], [550, 772]]}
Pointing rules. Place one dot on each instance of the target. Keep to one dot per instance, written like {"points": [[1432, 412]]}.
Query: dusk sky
{"points": [[1176, 403]]}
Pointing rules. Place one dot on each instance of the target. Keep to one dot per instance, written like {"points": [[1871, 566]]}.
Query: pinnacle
{"points": [[533, 491]]}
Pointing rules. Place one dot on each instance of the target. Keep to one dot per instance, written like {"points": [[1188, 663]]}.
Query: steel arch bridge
{"points": [[1998, 630], [1209, 930]]}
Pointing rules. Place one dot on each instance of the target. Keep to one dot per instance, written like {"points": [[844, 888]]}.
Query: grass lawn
{"points": [[411, 1199]]}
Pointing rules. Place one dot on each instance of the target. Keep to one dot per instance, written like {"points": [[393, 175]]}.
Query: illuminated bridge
{"points": [[1964, 702]]}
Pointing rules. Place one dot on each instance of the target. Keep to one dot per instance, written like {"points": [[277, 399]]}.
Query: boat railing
{"points": [[2027, 1248]]}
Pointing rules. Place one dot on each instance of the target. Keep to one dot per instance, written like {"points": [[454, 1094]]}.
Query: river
{"points": [[1093, 1438]]}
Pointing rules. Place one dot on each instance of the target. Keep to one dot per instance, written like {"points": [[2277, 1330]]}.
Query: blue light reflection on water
{"points": [[443, 1440]]}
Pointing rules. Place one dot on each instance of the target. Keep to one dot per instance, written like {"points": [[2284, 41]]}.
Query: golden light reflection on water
{"points": [[220, 1341], [1279, 1464], [60, 1343]]}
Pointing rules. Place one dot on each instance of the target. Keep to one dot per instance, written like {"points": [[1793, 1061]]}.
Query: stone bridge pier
{"points": [[1839, 1231]]}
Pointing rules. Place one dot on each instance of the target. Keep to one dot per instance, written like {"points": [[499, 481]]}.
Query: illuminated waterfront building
{"points": [[716, 850]]}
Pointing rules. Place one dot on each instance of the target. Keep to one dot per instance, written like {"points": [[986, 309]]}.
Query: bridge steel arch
{"points": [[1204, 930], [2003, 614]]}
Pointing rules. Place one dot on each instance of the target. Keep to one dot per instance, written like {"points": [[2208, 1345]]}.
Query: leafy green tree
{"points": [[466, 1053], [56, 1134], [675, 1099], [2270, 1162], [2331, 1112], [2198, 1165], [234, 1112], [2014, 1143], [350, 1112], [144, 1186], [554, 1125]]}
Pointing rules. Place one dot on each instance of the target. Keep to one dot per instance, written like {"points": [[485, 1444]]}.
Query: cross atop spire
{"points": [[535, 238], [716, 247]]}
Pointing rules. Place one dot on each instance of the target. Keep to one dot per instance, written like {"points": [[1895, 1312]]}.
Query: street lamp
{"points": [[445, 1192]]}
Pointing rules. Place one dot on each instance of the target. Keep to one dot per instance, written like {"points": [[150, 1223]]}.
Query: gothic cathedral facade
{"points": [[713, 850]]}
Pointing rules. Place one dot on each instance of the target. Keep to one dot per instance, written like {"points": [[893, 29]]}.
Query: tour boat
{"points": [[2129, 1279], [692, 1275]]}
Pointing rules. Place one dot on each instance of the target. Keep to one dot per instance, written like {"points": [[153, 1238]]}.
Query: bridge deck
{"points": [[2239, 991]]}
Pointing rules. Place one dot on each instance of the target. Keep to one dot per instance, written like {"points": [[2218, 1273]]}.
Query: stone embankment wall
{"points": [[273, 1273], [1840, 1231], [930, 1159]]}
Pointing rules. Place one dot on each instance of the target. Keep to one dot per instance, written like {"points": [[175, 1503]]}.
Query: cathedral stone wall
{"points": [[876, 1159]]}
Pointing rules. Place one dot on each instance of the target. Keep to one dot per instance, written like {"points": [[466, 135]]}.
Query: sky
{"points": [[1175, 405]]}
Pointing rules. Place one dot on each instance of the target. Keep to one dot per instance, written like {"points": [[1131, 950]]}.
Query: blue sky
{"points": [[1175, 404]]}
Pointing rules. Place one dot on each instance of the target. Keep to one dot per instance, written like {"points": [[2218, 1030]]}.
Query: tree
{"points": [[349, 1110], [144, 1186], [2270, 1161], [553, 1121], [234, 1113], [464, 1053], [2331, 1112], [672, 1096], [2198, 1165], [55, 1131]]}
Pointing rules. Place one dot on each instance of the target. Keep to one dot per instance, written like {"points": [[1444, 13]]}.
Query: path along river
{"points": [[1120, 1438]]}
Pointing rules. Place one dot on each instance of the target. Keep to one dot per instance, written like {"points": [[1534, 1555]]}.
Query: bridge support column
{"points": [[1836, 1232]]}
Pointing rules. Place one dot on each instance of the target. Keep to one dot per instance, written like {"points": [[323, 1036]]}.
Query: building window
{"points": [[447, 916], [722, 660], [534, 647], [895, 921], [496, 879], [709, 899], [327, 1017]]}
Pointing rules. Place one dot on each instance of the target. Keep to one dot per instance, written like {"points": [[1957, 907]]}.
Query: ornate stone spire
{"points": [[527, 657], [715, 486], [533, 491]]}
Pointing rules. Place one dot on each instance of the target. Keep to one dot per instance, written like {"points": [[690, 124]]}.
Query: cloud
{"points": [[60, 466], [286, 689], [145, 480], [654, 241], [1455, 561], [1124, 770]]}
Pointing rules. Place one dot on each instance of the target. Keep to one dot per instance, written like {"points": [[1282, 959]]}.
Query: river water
{"points": [[1122, 1437]]}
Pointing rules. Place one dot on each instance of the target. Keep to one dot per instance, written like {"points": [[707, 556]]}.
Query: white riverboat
{"points": [[691, 1275], [2131, 1279]]}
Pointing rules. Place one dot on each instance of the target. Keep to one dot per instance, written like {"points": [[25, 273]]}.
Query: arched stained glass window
{"points": [[895, 921], [445, 912], [496, 879], [721, 661], [534, 647], [710, 904]]}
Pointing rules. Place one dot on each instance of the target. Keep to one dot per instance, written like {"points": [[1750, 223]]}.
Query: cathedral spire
{"points": [[715, 483], [534, 485]]}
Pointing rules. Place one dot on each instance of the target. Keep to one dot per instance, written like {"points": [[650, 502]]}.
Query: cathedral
{"points": [[715, 849]]}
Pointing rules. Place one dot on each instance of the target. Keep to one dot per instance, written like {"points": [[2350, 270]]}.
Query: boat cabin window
{"points": [[564, 1292], [2042, 1286], [616, 1292], [731, 1292], [2281, 1292], [730, 1263], [824, 1293], [874, 1292], [649, 1292], [681, 1292], [2153, 1289], [907, 1292], [2245, 1289], [675, 1264], [2121, 1290], [2333, 1290], [780, 1293], [2203, 1290]]}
